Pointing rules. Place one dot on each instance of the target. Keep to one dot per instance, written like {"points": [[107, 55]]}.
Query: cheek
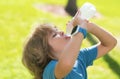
{"points": [[53, 43], [56, 44]]}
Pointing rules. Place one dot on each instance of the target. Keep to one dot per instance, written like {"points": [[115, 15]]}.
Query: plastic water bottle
{"points": [[69, 30], [87, 10]]}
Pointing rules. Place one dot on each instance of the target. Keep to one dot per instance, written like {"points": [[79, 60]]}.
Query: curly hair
{"points": [[37, 52]]}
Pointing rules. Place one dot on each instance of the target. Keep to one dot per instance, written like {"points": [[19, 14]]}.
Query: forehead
{"points": [[48, 29], [53, 29]]}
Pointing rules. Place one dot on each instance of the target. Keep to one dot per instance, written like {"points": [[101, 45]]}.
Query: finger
{"points": [[77, 14], [87, 21]]}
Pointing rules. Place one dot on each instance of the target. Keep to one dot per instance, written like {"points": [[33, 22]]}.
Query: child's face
{"points": [[58, 40]]}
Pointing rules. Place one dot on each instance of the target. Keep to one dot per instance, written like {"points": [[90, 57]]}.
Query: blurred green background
{"points": [[18, 16]]}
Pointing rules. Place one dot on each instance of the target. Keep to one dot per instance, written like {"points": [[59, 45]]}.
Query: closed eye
{"points": [[54, 34]]}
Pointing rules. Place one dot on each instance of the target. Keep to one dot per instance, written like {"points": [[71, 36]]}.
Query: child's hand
{"points": [[77, 20]]}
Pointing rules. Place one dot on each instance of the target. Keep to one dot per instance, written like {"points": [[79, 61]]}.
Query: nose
{"points": [[61, 33]]}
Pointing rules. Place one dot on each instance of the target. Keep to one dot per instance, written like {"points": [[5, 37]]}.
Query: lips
{"points": [[67, 36]]}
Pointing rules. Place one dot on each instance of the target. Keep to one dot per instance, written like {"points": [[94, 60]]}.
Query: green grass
{"points": [[16, 19]]}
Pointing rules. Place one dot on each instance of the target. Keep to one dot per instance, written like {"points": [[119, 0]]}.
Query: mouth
{"points": [[67, 36]]}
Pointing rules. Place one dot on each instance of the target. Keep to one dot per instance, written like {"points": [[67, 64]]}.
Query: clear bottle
{"points": [[87, 10], [69, 30]]}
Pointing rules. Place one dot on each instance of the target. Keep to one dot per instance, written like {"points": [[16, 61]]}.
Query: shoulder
{"points": [[88, 55], [89, 50], [48, 72], [51, 64]]}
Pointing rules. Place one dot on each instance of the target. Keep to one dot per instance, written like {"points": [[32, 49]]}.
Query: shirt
{"points": [[85, 59]]}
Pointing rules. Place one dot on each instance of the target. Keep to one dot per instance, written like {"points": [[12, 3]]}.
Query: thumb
{"points": [[77, 14]]}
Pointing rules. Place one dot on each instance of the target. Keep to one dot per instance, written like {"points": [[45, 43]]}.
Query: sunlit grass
{"points": [[16, 19]]}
